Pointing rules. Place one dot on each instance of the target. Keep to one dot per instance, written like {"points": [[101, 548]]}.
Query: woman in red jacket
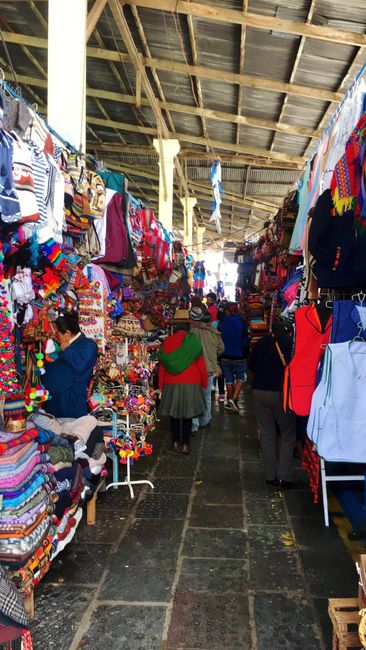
{"points": [[182, 378]]}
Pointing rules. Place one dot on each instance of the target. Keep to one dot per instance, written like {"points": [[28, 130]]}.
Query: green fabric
{"points": [[177, 361]]}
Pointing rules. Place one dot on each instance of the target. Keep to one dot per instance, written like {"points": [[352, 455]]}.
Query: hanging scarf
{"points": [[177, 361], [349, 172]]}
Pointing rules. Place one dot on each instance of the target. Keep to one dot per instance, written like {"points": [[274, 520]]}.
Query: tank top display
{"points": [[337, 421], [300, 374], [349, 320]]}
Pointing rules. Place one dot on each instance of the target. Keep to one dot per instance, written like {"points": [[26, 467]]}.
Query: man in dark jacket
{"points": [[268, 361]]}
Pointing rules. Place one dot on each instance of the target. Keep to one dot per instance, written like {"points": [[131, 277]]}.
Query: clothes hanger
{"points": [[361, 297]]}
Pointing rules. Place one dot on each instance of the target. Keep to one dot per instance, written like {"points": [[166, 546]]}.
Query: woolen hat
{"points": [[199, 313]]}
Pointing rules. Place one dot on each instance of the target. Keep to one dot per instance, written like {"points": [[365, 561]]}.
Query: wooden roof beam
{"points": [[199, 99], [147, 51], [138, 63], [93, 16], [315, 93], [250, 19], [295, 67], [183, 137], [243, 34]]}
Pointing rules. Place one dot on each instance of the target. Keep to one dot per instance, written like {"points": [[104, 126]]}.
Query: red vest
{"points": [[300, 374]]}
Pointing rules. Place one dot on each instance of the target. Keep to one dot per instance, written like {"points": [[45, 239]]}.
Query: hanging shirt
{"points": [[337, 421], [349, 320], [41, 182], [24, 180], [301, 373], [9, 201]]}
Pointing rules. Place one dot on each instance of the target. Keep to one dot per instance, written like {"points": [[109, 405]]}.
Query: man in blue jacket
{"points": [[234, 334], [67, 379]]}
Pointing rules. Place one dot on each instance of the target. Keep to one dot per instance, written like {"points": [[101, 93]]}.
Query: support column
{"points": [[200, 231], [188, 203], [167, 150], [66, 110]]}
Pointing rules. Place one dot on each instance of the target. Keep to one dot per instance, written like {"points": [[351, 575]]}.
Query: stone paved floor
{"points": [[211, 560]]}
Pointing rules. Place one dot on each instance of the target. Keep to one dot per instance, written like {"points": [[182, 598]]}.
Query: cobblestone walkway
{"points": [[213, 559]]}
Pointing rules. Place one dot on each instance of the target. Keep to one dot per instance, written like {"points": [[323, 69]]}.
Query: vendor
{"points": [[67, 379]]}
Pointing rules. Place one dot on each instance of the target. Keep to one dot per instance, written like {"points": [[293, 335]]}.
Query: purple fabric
{"points": [[116, 241]]}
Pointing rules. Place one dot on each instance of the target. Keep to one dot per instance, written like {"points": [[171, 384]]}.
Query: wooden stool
{"points": [[344, 614], [91, 505]]}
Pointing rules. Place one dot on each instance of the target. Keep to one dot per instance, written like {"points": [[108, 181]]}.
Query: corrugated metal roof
{"points": [[269, 55]]}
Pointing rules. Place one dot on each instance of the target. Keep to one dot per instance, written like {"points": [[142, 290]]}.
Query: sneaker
{"points": [[233, 404], [221, 398], [228, 406]]}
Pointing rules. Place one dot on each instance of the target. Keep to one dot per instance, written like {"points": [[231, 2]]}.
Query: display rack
{"points": [[326, 478], [116, 482]]}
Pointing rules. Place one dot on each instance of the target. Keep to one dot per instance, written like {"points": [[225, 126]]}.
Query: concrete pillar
{"points": [[167, 150], [200, 231], [220, 265], [66, 111], [188, 203]]}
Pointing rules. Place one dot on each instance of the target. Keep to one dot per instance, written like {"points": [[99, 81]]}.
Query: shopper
{"points": [[68, 377], [213, 347], [268, 361], [182, 379], [211, 300], [235, 337]]}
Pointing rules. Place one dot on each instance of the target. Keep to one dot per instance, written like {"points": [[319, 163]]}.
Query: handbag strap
{"points": [[280, 353]]}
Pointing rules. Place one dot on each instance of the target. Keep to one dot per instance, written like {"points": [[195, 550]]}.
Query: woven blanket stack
{"points": [[258, 327]]}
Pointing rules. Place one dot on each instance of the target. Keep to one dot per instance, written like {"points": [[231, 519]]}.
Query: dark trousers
{"points": [[269, 411], [186, 430]]}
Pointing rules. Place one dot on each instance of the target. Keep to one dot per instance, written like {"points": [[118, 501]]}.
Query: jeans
{"points": [[186, 430], [269, 411], [233, 370], [204, 419]]}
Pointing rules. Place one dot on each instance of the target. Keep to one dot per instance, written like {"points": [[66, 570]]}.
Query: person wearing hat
{"points": [[182, 380], [213, 347], [211, 300]]}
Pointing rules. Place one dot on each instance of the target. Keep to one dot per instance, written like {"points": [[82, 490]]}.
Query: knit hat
{"points": [[199, 313], [14, 413]]}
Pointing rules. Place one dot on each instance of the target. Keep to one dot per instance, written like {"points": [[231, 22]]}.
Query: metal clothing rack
{"points": [[329, 478], [128, 482]]}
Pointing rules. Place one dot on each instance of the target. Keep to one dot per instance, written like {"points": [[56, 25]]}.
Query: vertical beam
{"points": [[67, 70], [167, 150], [243, 36], [93, 16], [294, 69], [188, 203], [200, 231]]}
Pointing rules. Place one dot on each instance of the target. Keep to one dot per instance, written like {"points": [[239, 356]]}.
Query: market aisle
{"points": [[248, 568]]}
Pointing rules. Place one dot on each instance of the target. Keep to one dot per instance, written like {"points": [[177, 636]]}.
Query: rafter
{"points": [[315, 93], [358, 58], [93, 16], [295, 67], [162, 129], [146, 47], [183, 137], [258, 21], [199, 98], [243, 34]]}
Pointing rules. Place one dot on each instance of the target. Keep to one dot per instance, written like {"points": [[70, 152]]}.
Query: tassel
{"points": [[33, 248]]}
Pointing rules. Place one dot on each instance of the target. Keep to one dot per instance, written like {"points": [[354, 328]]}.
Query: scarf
{"points": [[177, 361]]}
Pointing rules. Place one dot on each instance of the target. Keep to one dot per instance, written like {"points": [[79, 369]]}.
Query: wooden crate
{"points": [[344, 614]]}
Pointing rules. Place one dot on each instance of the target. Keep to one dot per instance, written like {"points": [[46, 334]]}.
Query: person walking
{"points": [[182, 379], [268, 361], [213, 347], [234, 334], [211, 303]]}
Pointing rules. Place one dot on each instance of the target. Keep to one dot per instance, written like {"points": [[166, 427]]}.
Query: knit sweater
{"points": [[195, 373]]}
